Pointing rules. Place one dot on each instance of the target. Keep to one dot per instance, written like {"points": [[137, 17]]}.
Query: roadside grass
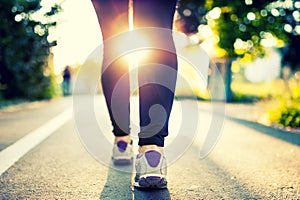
{"points": [[281, 99], [244, 91]]}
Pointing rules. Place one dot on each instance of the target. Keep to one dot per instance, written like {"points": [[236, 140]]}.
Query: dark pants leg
{"points": [[112, 16], [113, 19], [156, 13]]}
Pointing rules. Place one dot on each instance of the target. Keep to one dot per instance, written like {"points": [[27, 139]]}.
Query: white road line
{"points": [[14, 152]]}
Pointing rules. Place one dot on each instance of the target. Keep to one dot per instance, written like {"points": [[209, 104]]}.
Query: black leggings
{"points": [[113, 20]]}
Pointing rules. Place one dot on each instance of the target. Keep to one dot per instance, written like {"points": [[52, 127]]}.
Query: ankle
{"points": [[123, 138], [145, 148]]}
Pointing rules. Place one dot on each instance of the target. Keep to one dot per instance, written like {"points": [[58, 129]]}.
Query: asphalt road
{"points": [[246, 163]]}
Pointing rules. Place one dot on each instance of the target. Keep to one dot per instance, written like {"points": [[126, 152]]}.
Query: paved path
{"points": [[247, 163]]}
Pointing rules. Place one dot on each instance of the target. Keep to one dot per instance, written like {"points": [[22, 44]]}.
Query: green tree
{"points": [[24, 50], [247, 27], [191, 15]]}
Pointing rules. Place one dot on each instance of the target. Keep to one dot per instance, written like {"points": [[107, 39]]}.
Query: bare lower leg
{"points": [[123, 138], [145, 148], [142, 149]]}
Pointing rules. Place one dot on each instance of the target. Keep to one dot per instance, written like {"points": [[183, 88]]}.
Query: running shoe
{"points": [[122, 153], [151, 170]]}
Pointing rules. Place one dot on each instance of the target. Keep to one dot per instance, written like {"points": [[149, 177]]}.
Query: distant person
{"points": [[113, 20], [66, 85]]}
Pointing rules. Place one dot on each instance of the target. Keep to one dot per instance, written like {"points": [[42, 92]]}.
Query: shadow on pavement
{"points": [[118, 184], [293, 138], [162, 194], [238, 190]]}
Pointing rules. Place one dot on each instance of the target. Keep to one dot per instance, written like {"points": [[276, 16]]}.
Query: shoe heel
{"points": [[153, 158]]}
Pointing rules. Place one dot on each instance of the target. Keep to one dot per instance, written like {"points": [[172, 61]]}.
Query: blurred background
{"points": [[254, 43]]}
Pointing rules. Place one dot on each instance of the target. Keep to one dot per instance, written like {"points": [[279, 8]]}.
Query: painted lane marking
{"points": [[14, 152]]}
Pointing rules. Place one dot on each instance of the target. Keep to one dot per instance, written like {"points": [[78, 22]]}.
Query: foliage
{"points": [[24, 50], [287, 113], [245, 98], [246, 27], [7, 103], [191, 15]]}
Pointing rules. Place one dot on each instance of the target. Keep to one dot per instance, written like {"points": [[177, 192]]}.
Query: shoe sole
{"points": [[122, 161], [151, 182]]}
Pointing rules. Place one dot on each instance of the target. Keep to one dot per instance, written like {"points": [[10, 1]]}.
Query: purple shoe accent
{"points": [[122, 146], [153, 158], [153, 182], [122, 161]]}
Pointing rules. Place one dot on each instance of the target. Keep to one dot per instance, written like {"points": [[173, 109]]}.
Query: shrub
{"points": [[287, 113]]}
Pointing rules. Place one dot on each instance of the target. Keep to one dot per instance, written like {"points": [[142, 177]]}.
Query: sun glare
{"points": [[77, 33]]}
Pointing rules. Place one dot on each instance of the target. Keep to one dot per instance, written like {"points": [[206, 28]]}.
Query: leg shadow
{"points": [[118, 184], [142, 194]]}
